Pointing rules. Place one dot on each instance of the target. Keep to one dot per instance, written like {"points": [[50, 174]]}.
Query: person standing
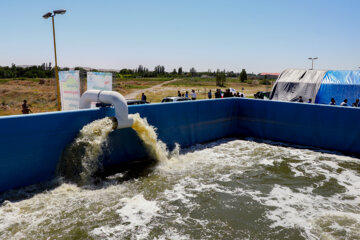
{"points": [[332, 102], [356, 103], [193, 95], [210, 94], [179, 94], [25, 108], [227, 93], [143, 97], [344, 103], [186, 94]]}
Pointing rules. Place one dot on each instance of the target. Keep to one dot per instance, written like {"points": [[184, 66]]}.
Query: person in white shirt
{"points": [[344, 103], [193, 95]]}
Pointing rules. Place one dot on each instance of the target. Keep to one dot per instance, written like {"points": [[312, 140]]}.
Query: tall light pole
{"points": [[312, 62], [46, 16]]}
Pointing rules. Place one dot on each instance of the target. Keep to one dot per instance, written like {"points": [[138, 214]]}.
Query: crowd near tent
{"points": [[318, 85]]}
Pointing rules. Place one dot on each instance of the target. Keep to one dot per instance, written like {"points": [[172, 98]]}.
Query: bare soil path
{"points": [[133, 95]]}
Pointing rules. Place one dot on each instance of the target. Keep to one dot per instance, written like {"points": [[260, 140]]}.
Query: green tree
{"points": [[192, 72], [159, 70], [220, 78], [180, 71], [243, 76]]}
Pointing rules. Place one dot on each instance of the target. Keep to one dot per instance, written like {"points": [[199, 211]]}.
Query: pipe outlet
{"points": [[109, 97]]}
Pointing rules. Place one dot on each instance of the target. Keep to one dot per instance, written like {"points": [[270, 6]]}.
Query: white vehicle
{"points": [[175, 99]]}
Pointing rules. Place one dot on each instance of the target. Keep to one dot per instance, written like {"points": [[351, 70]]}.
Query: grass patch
{"points": [[190, 82], [4, 80], [159, 79], [198, 81], [24, 79], [136, 86]]}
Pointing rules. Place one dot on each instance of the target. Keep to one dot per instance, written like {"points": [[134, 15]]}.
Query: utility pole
{"points": [[46, 16], [312, 61]]}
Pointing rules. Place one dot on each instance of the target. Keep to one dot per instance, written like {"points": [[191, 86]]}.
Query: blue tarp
{"points": [[319, 85], [339, 85]]}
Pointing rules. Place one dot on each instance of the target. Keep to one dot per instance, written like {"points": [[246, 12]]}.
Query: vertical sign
{"points": [[69, 89], [99, 81]]}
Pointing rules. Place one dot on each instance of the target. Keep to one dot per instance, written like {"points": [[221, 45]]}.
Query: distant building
{"points": [[268, 75], [251, 76]]}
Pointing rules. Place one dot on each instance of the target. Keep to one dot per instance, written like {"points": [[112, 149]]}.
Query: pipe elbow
{"points": [[109, 97]]}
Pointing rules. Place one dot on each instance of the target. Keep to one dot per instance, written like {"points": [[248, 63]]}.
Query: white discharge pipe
{"points": [[109, 97]]}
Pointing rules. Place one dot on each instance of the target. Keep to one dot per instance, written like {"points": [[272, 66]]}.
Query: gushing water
{"points": [[147, 133], [82, 159]]}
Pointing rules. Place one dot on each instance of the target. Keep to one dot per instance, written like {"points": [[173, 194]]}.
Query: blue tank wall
{"points": [[323, 126], [31, 145]]}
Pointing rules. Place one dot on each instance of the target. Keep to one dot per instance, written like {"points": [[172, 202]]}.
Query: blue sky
{"points": [[258, 35]]}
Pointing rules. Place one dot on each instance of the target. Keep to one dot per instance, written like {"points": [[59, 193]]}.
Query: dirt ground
{"points": [[41, 97], [156, 94]]}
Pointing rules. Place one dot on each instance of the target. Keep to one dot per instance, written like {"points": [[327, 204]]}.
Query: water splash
{"points": [[81, 160], [202, 192], [147, 133]]}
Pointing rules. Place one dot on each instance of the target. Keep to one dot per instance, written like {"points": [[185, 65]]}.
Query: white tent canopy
{"points": [[293, 83]]}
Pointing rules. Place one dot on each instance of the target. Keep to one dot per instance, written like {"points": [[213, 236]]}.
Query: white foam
{"points": [[299, 210], [135, 214], [136, 208]]}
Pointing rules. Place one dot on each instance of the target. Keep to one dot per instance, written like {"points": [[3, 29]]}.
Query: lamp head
{"points": [[47, 15], [61, 11]]}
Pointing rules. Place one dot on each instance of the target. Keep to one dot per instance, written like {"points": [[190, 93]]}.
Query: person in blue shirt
{"points": [[310, 100], [332, 102]]}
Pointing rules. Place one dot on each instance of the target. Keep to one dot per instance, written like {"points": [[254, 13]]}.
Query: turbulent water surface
{"points": [[228, 189]]}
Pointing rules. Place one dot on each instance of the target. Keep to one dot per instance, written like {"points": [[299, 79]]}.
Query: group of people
{"points": [[226, 94], [333, 102], [345, 102], [218, 94], [186, 94], [301, 100]]}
